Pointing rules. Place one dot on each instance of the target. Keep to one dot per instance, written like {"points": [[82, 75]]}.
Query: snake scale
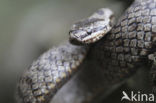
{"points": [[129, 45]]}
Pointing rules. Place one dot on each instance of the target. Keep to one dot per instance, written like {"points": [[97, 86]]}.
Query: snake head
{"points": [[93, 28]]}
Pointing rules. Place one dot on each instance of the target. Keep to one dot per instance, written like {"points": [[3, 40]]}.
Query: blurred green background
{"points": [[30, 27]]}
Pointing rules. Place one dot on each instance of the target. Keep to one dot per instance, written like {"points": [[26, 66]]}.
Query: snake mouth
{"points": [[75, 41]]}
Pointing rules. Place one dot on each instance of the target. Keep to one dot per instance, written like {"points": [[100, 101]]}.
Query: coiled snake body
{"points": [[118, 55]]}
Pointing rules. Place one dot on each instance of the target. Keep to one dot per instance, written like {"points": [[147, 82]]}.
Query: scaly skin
{"points": [[130, 42], [49, 72], [118, 55]]}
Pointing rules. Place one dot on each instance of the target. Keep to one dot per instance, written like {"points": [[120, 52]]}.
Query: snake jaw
{"points": [[93, 28]]}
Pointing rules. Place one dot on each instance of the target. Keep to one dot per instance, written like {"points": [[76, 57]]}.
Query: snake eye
{"points": [[89, 32]]}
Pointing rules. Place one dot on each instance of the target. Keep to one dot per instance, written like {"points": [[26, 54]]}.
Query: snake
{"points": [[110, 51]]}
